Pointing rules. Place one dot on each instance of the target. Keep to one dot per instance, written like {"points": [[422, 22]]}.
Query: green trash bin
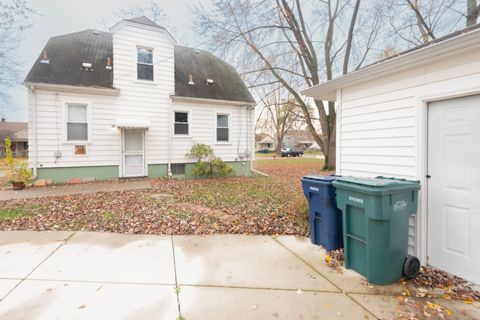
{"points": [[375, 226]]}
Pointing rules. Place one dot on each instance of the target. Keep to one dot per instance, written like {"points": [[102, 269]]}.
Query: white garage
{"points": [[417, 116]]}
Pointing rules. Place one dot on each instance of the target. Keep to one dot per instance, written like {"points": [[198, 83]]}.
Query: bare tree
{"points": [[14, 19], [415, 22], [280, 42], [473, 11], [281, 114], [154, 11]]}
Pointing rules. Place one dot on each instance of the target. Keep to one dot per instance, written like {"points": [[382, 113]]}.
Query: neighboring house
{"points": [[300, 139], [267, 143], [131, 103], [18, 133], [417, 116]]}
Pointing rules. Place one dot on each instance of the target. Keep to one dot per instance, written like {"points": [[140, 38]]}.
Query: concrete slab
{"points": [[63, 190], [347, 280], [6, 285], [22, 251], [389, 307], [106, 257], [47, 300], [235, 303], [241, 261]]}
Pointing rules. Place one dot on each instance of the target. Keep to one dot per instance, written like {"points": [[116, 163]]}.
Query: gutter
{"points": [[34, 129], [211, 101], [252, 147], [67, 88]]}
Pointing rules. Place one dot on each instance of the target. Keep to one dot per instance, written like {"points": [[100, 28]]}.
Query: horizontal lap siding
{"points": [[202, 127], [378, 119], [137, 101]]}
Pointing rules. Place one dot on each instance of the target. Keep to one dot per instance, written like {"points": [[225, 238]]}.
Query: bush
{"points": [[16, 173], [207, 163]]}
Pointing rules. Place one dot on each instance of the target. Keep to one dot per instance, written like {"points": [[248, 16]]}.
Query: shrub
{"points": [[207, 163], [16, 173]]}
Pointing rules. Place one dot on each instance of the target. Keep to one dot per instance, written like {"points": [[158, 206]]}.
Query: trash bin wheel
{"points": [[411, 267]]}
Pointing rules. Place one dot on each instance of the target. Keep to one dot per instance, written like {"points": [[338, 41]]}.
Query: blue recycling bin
{"points": [[325, 218]]}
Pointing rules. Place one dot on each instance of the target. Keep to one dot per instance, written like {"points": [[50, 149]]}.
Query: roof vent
{"points": [[210, 82], [87, 66], [45, 59], [190, 80], [109, 64], [196, 51], [96, 32]]}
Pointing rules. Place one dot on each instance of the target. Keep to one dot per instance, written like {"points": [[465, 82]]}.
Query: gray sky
{"points": [[64, 16]]}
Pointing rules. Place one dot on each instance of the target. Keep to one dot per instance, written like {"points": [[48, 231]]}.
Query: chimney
{"points": [[190, 80], [45, 59], [109, 64]]}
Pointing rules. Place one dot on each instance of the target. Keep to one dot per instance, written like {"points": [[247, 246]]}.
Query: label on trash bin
{"points": [[400, 205], [355, 199], [314, 189]]}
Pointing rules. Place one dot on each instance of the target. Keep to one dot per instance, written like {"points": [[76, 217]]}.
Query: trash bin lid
{"points": [[378, 184], [321, 178]]}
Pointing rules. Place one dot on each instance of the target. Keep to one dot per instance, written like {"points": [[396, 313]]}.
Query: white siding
{"points": [[202, 126], [379, 121], [138, 100]]}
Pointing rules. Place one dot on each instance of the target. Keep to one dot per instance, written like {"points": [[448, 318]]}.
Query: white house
{"points": [[417, 116], [131, 103]]}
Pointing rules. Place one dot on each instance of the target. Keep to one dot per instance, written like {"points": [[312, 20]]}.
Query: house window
{"points": [[177, 168], [222, 127], [80, 150], [181, 123], [145, 64], [77, 125]]}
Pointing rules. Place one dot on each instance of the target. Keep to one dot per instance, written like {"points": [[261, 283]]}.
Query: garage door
{"points": [[454, 186]]}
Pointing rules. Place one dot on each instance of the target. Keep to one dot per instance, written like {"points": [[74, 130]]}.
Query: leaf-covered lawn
{"points": [[273, 205]]}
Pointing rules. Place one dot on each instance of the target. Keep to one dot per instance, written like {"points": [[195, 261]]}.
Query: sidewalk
{"points": [[63, 190], [65, 275]]}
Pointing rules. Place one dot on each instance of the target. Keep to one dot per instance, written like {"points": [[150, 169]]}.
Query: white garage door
{"points": [[454, 186]]}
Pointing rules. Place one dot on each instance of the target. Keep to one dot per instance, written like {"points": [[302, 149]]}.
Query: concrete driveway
{"points": [[82, 275]]}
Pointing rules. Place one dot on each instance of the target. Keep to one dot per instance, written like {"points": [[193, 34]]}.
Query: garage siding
{"points": [[378, 125]]}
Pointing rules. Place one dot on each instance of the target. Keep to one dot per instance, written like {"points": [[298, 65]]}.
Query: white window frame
{"points": [[229, 115], [65, 105], [189, 120], [135, 64]]}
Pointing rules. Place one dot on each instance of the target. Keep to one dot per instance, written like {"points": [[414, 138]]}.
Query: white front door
{"points": [[133, 155], [454, 186]]}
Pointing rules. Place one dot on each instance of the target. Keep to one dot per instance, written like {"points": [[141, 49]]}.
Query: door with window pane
{"points": [[133, 153]]}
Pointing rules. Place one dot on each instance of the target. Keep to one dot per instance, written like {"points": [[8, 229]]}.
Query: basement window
{"points": [[145, 64], [177, 169]]}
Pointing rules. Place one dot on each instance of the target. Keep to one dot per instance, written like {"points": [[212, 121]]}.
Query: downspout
{"points": [[34, 129], [251, 109], [169, 144]]}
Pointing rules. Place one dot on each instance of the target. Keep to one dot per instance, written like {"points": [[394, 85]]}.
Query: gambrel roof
{"points": [[67, 53]]}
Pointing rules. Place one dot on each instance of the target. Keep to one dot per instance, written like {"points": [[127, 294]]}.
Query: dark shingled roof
{"points": [[202, 66], [17, 131], [67, 53]]}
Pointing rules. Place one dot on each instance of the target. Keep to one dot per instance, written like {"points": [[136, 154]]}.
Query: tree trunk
{"points": [[473, 11]]}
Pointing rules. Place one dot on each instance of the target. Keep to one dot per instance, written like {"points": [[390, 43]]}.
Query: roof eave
{"points": [[211, 101], [67, 88], [450, 47]]}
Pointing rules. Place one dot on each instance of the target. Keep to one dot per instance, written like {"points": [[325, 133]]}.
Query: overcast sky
{"points": [[57, 17]]}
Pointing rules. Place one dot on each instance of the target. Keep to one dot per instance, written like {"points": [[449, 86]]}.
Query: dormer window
{"points": [[144, 64]]}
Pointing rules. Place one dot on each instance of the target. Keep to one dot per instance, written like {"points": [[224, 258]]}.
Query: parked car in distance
{"points": [[289, 152]]}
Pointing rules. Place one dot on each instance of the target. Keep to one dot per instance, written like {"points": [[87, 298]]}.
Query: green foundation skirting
{"points": [[62, 174]]}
